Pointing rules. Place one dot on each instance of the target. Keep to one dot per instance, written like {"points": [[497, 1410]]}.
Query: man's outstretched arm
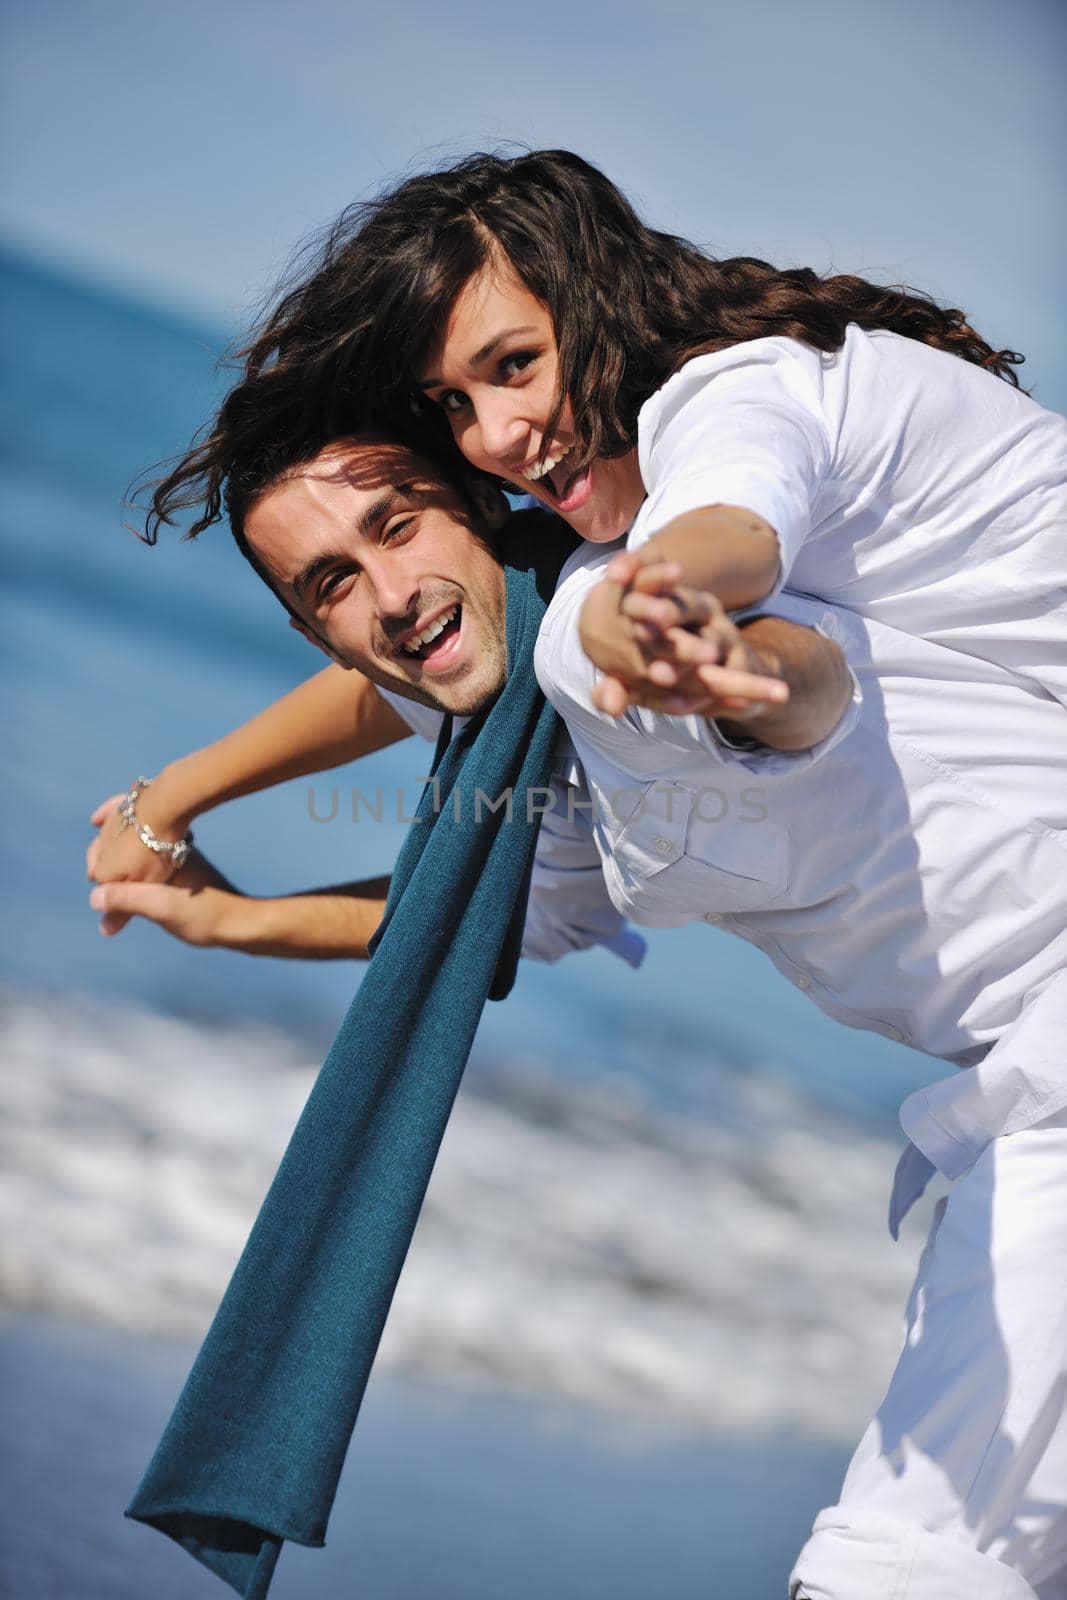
{"points": [[201, 907], [816, 674], [569, 908]]}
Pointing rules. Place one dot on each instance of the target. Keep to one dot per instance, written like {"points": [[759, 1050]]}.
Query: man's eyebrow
{"points": [[311, 569], [364, 525], [487, 349]]}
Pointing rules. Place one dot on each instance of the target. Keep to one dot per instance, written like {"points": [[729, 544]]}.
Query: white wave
{"points": [[574, 1242]]}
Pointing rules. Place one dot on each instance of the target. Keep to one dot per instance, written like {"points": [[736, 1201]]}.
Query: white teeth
{"points": [[549, 464], [413, 646]]}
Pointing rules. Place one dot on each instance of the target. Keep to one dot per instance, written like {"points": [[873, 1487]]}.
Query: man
{"points": [[908, 878], [289, 523]]}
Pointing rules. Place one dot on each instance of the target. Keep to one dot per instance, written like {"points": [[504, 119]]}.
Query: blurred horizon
{"points": [[183, 160]]}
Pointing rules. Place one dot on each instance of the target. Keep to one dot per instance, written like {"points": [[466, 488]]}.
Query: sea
{"points": [[652, 1299]]}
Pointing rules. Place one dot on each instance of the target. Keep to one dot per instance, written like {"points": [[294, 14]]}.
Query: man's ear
{"points": [[490, 503], [320, 644]]}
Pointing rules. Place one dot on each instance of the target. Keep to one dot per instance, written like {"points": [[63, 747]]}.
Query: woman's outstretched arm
{"points": [[727, 550], [674, 649], [334, 717]]}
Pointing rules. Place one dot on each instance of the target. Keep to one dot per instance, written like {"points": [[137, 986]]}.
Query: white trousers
{"points": [[958, 1490]]}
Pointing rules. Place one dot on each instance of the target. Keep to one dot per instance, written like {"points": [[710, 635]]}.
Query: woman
{"points": [[616, 374], [765, 426]]}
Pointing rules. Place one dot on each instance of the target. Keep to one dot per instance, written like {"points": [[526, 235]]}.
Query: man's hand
{"points": [[198, 905], [201, 907], [672, 649]]}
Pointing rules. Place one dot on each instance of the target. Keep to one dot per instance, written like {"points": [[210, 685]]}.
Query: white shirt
{"points": [[569, 908], [909, 874], [903, 483]]}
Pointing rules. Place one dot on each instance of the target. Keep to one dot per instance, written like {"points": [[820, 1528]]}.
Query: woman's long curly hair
{"points": [[368, 305]]}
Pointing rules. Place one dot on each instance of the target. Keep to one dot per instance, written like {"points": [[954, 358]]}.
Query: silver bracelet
{"points": [[177, 849]]}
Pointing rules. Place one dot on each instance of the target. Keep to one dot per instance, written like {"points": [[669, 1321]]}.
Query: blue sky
{"points": [[180, 152]]}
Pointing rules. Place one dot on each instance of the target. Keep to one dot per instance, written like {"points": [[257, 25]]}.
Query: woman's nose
{"points": [[503, 431]]}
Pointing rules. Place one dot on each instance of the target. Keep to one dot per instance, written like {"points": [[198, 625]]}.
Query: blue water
{"points": [[119, 656], [436, 1499]]}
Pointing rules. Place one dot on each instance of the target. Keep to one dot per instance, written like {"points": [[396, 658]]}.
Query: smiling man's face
{"points": [[389, 570]]}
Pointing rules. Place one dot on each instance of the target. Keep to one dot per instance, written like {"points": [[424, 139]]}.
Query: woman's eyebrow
{"points": [[487, 349]]}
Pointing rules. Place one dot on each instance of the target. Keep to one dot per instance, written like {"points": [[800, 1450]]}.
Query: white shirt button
{"points": [[898, 1034], [712, 916], [803, 982], [663, 845]]}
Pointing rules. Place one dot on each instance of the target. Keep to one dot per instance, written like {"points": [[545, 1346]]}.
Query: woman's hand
{"points": [[334, 717], [118, 855], [671, 649]]}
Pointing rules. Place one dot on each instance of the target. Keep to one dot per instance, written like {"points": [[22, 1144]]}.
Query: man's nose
{"points": [[396, 591]]}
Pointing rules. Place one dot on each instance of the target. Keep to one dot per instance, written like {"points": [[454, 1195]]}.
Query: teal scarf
{"points": [[253, 1451]]}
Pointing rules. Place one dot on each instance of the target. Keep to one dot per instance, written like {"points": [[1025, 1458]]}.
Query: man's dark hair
{"points": [[264, 463], [265, 431]]}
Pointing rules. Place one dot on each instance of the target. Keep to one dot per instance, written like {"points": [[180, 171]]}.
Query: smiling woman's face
{"points": [[495, 375]]}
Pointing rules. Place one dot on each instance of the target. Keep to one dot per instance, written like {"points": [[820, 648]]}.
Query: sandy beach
{"points": [[626, 1356]]}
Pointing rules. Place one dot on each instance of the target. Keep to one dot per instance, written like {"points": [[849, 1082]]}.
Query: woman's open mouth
{"points": [[565, 490]]}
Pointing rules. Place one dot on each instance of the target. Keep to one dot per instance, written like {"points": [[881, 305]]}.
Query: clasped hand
{"points": [[669, 648]]}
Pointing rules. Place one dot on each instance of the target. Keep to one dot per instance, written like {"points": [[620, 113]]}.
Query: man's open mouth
{"points": [[435, 638]]}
